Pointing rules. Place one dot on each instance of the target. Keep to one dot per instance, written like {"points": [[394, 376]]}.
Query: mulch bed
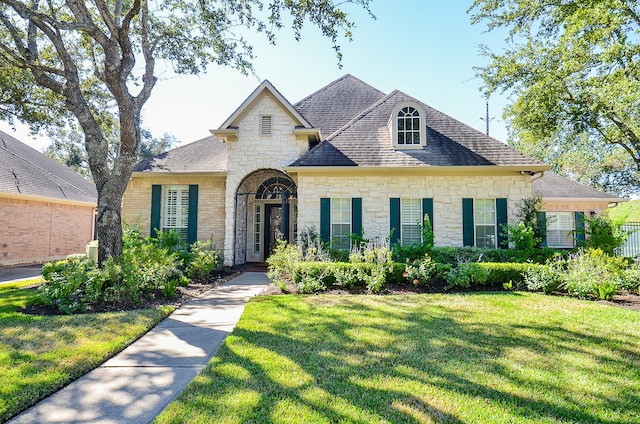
{"points": [[183, 295], [195, 289]]}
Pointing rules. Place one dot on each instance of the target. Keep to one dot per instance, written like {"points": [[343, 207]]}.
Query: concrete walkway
{"points": [[138, 383]]}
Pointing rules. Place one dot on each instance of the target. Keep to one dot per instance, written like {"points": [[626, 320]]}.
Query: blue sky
{"points": [[425, 48]]}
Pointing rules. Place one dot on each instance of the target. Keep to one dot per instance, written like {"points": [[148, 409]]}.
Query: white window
{"points": [[560, 227], [484, 218], [175, 209], [410, 221], [408, 127], [341, 223], [265, 125], [257, 228]]}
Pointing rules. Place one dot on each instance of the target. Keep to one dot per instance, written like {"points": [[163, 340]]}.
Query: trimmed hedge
{"points": [[454, 255], [500, 273], [326, 271]]}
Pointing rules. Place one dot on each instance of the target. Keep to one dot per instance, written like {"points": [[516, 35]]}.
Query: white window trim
{"points": [[181, 212], [393, 126], [553, 214], [495, 222], [333, 222], [403, 223], [257, 228]]}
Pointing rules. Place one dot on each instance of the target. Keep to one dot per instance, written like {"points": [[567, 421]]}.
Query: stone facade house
{"points": [[346, 159], [46, 209]]}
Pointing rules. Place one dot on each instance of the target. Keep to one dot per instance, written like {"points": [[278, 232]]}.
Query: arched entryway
{"points": [[266, 211]]}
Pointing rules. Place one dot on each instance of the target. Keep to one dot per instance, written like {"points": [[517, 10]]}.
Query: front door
{"points": [[272, 228]]}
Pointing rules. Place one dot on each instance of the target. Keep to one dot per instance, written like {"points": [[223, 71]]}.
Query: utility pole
{"points": [[486, 119]]}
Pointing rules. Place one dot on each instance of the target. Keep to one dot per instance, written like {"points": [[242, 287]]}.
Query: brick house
{"points": [[46, 209], [346, 159]]}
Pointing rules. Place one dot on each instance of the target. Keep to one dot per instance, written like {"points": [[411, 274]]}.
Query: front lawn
{"points": [[490, 357], [40, 354]]}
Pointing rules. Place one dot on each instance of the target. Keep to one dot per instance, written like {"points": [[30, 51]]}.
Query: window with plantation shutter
{"points": [[175, 209], [410, 220], [560, 227], [265, 125]]}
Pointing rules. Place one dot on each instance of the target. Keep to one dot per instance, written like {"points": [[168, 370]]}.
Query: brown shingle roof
{"points": [[337, 103], [24, 170], [206, 155], [554, 186], [366, 141]]}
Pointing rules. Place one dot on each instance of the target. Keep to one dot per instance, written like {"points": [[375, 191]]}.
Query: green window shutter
{"points": [[579, 228], [542, 227], [356, 215], [394, 220], [325, 219], [501, 217], [192, 225], [427, 208], [156, 197], [467, 222]]}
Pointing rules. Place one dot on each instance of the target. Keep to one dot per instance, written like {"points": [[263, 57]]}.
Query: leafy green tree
{"points": [[584, 159], [573, 69], [94, 61], [67, 147]]}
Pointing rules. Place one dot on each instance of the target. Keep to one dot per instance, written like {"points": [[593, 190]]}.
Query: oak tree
{"points": [[571, 67], [95, 60]]}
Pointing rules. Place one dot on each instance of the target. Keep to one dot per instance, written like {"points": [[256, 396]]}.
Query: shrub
{"points": [[204, 259], [146, 266], [631, 278], [603, 234], [65, 283], [521, 236], [466, 274], [501, 273], [346, 277], [590, 269], [546, 278], [282, 262], [420, 272], [309, 284], [454, 255]]}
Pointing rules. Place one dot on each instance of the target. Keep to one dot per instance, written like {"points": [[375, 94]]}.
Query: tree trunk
{"points": [[109, 228], [110, 194]]}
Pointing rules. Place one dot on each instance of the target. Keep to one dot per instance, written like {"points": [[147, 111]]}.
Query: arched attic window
{"points": [[408, 127]]}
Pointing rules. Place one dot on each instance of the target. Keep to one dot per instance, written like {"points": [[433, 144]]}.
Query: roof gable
{"points": [[263, 89], [24, 170], [366, 141]]}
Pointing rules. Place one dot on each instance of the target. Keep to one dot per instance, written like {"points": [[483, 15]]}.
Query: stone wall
{"points": [[253, 151], [136, 207], [375, 190], [40, 231]]}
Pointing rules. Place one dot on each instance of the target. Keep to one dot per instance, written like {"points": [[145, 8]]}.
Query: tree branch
{"points": [[149, 80]]}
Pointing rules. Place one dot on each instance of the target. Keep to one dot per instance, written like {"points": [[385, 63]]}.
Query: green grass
{"points": [[625, 212], [482, 358], [41, 354]]}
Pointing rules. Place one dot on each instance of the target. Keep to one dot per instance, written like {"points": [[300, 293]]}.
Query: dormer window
{"points": [[408, 128]]}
